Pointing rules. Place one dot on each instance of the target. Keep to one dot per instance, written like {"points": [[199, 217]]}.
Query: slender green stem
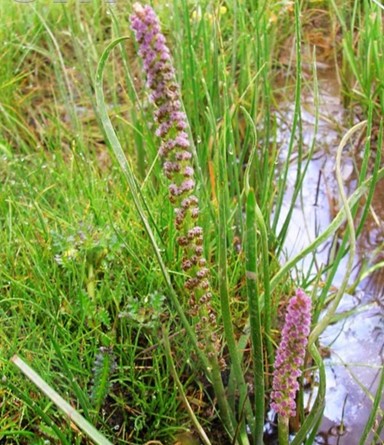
{"points": [[80, 393], [379, 428], [296, 123], [254, 315], [226, 414], [200, 430], [224, 296], [283, 430], [324, 322], [314, 417], [378, 156], [260, 222], [91, 284], [375, 411]]}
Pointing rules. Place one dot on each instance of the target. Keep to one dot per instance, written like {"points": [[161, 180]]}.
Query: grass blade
{"points": [[224, 294], [374, 411], [254, 315], [64, 406], [203, 435], [80, 394], [318, 407], [352, 237]]}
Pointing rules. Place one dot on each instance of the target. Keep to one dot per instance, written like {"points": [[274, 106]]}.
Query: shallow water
{"points": [[356, 343]]}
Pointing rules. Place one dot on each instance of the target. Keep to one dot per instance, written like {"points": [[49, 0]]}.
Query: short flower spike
{"points": [[290, 354]]}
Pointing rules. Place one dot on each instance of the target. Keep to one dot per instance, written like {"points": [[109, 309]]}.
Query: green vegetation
{"points": [[91, 284]]}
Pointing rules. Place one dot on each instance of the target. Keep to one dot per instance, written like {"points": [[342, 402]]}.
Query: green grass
{"points": [[90, 276]]}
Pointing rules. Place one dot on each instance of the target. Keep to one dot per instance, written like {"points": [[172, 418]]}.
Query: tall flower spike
{"points": [[290, 355], [175, 150]]}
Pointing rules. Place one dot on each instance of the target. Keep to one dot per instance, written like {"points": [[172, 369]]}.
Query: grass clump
{"points": [[97, 283]]}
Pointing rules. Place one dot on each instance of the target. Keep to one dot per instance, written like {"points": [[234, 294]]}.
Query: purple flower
{"points": [[290, 354], [175, 150], [165, 93]]}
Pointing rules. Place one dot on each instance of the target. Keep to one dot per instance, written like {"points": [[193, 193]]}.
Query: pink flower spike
{"points": [[290, 354]]}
